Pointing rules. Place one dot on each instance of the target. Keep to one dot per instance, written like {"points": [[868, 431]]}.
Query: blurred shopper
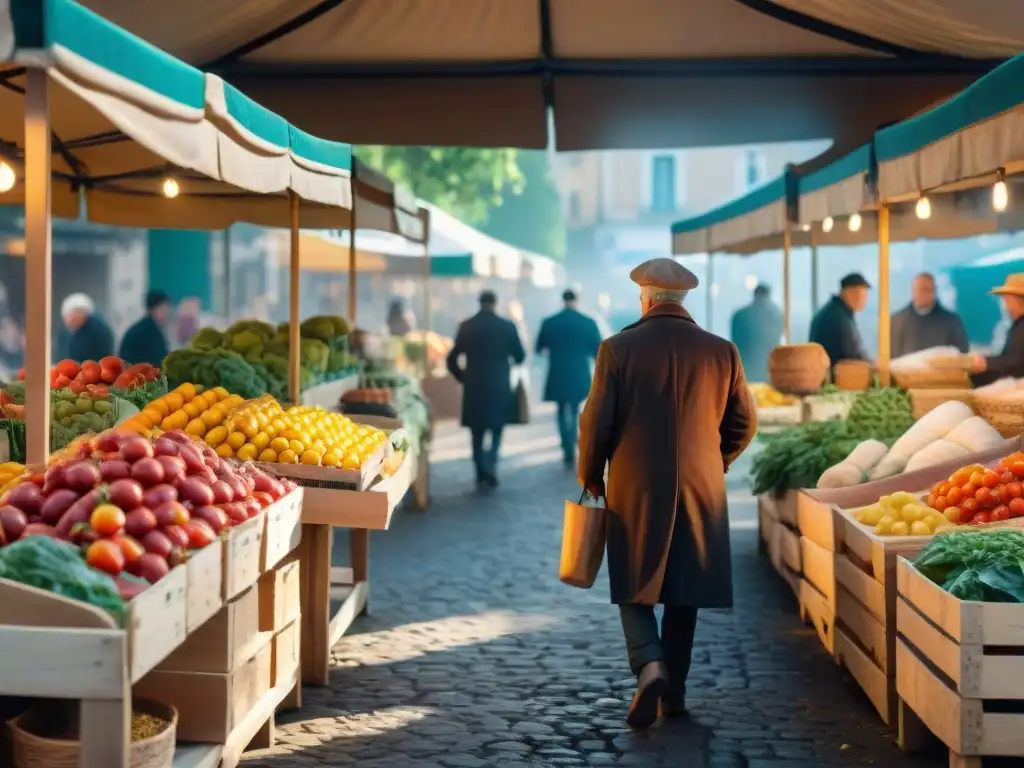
{"points": [[489, 344], [188, 321], [756, 331], [400, 320], [12, 345], [925, 323], [1009, 362], [668, 413], [146, 341], [571, 340], [88, 336], [835, 325], [518, 318]]}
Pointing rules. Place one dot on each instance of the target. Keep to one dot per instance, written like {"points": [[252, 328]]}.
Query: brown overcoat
{"points": [[669, 411]]}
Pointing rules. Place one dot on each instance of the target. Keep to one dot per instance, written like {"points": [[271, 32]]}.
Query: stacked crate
{"points": [[817, 556], [779, 537]]}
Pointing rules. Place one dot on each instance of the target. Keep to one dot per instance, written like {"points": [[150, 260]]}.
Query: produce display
{"points": [[367, 395], [250, 358], [266, 431], [903, 514], [111, 371], [135, 506], [767, 397], [185, 408], [986, 566], [974, 495], [798, 456]]}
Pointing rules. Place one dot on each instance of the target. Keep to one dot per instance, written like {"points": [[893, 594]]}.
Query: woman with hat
{"points": [[1009, 362]]}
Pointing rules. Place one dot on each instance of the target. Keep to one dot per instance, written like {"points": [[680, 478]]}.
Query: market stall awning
{"points": [[839, 189], [323, 253], [965, 142], [644, 73], [138, 140]]}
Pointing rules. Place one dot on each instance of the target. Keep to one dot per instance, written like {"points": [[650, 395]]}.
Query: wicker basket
{"points": [[932, 379], [925, 400], [798, 369], [853, 375], [32, 751], [1007, 416]]}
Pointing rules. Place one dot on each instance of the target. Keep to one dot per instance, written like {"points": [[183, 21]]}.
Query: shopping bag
{"points": [[584, 529], [520, 399]]}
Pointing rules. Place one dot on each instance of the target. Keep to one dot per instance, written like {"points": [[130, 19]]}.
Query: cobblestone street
{"points": [[475, 655]]}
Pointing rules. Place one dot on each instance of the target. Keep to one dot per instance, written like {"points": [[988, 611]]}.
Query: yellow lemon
{"points": [[174, 400], [154, 414], [236, 440], [297, 445], [287, 457], [187, 391], [161, 406], [225, 451], [330, 459], [169, 423], [220, 392], [196, 427], [192, 409], [279, 444], [216, 436], [270, 430], [268, 454], [247, 452], [261, 440], [213, 416], [351, 461], [310, 457]]}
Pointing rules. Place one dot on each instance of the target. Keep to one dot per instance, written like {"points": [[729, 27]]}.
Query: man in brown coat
{"points": [[668, 411]]}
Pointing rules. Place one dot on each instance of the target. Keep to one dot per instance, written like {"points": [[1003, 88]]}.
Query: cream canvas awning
{"points": [[643, 73]]}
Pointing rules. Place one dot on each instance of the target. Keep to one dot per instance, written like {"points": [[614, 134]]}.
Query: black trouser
{"points": [[568, 415], [674, 645], [486, 461]]}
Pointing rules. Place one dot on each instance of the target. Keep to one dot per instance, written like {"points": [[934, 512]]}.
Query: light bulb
{"points": [[171, 188], [1000, 196], [826, 224], [923, 209], [805, 227], [7, 178], [855, 223]]}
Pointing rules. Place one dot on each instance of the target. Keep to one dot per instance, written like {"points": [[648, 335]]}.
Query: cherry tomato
{"points": [[968, 490], [990, 479], [130, 548], [1000, 513], [107, 520], [930, 501], [1016, 507], [944, 487], [978, 477], [1006, 476], [1016, 490], [954, 496], [982, 518], [1003, 492], [969, 505], [264, 498], [940, 504], [200, 534], [104, 555], [953, 515], [960, 477], [985, 497], [1018, 469]]}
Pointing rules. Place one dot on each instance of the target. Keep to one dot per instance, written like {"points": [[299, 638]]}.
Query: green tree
{"points": [[532, 219], [466, 182]]}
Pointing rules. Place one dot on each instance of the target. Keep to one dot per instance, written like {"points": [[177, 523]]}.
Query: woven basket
{"points": [[1007, 416], [853, 375], [798, 369], [32, 751], [925, 400], [932, 379]]}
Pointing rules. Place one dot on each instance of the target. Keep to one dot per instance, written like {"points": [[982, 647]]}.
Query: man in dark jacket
{"points": [[146, 341], [1009, 362], [88, 335], [488, 343], [834, 326], [925, 323], [669, 412], [756, 331], [571, 340]]}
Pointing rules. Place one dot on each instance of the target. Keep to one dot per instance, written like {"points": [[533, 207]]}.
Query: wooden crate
{"points": [[816, 611], [224, 642], [205, 585], [285, 653], [766, 519], [280, 596], [243, 554], [157, 622], [819, 570], [284, 529], [368, 510], [953, 658], [784, 548]]}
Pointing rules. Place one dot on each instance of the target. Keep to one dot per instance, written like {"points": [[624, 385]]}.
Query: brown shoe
{"points": [[650, 686]]}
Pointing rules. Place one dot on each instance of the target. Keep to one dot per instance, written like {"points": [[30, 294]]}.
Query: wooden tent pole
{"points": [[352, 265], [814, 273], [294, 306], [38, 256], [884, 316], [787, 241], [426, 271]]}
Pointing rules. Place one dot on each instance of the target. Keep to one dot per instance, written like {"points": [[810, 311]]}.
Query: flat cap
{"points": [[664, 274]]}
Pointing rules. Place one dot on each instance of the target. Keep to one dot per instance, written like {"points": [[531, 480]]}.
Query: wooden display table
{"points": [[65, 649], [328, 394]]}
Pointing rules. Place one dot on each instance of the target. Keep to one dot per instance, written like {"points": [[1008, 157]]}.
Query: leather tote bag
{"points": [[584, 529], [520, 397]]}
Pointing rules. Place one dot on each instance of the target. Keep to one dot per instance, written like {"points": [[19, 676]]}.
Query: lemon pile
{"points": [[187, 408], [261, 430], [902, 514]]}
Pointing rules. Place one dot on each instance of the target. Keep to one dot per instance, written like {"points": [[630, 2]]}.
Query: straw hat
{"points": [[1014, 286]]}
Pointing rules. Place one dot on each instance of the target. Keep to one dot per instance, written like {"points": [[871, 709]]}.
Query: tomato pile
{"points": [[135, 505], [975, 495]]}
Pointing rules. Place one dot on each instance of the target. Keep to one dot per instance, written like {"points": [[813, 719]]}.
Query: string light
{"points": [[1000, 196], [826, 224], [855, 222], [171, 188], [923, 209], [805, 227], [7, 177]]}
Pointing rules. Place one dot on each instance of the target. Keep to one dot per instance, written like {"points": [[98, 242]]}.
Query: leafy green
{"points": [[986, 566]]}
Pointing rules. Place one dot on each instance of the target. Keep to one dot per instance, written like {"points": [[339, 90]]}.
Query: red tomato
{"points": [[107, 520], [264, 498], [1005, 477], [969, 505], [940, 504], [1017, 507], [104, 555], [978, 477], [1015, 489], [981, 518], [985, 497], [968, 490], [944, 487], [954, 496], [1003, 492], [130, 548], [1000, 513], [991, 478], [954, 515], [201, 534], [960, 477], [1018, 469]]}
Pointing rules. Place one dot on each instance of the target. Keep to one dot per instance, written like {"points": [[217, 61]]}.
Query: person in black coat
{"points": [[1009, 362], [487, 343], [146, 341], [88, 335], [756, 331], [835, 326], [571, 340], [925, 323]]}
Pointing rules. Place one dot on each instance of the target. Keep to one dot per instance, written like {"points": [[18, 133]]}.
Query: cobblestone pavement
{"points": [[476, 656]]}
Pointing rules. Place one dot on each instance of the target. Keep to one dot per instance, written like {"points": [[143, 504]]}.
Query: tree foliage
{"points": [[466, 182], [531, 220]]}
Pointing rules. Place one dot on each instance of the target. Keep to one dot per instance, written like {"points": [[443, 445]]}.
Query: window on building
{"points": [[663, 183], [752, 169]]}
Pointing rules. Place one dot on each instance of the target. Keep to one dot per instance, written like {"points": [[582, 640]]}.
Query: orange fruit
{"points": [[268, 455], [298, 446], [236, 440], [155, 415], [212, 417], [192, 410], [330, 459], [174, 400], [225, 451], [311, 458], [187, 391], [287, 457], [161, 406], [196, 427]]}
